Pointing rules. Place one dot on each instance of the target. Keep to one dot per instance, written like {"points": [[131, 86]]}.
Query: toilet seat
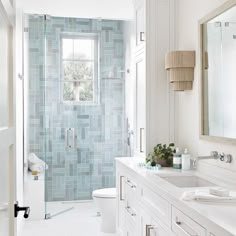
{"points": [[105, 193]]}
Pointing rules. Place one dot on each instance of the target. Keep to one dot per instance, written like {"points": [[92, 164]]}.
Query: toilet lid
{"points": [[105, 193]]}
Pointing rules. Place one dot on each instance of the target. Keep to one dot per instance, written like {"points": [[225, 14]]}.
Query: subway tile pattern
{"points": [[100, 128]]}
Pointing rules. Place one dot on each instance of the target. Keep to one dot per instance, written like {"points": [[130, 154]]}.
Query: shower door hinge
{"points": [[217, 24], [26, 29], [47, 216], [20, 76], [47, 17]]}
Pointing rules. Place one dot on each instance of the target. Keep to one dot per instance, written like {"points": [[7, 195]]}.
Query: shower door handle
{"points": [[68, 138], [73, 138]]}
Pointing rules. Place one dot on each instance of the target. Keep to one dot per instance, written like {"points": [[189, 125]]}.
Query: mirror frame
{"points": [[226, 6]]}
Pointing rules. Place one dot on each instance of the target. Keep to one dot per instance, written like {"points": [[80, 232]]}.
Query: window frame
{"points": [[96, 87]]}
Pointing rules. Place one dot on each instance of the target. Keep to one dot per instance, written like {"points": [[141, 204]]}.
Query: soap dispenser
{"points": [[177, 159], [186, 160]]}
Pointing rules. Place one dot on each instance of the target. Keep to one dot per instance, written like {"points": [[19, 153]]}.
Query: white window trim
{"points": [[96, 79]]}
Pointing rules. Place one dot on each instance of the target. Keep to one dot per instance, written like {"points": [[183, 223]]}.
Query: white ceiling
{"points": [[106, 9]]}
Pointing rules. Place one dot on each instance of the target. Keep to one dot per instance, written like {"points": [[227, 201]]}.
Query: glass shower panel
{"points": [[68, 178], [34, 93]]}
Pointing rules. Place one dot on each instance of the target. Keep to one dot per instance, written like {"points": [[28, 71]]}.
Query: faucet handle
{"points": [[214, 154], [228, 158]]}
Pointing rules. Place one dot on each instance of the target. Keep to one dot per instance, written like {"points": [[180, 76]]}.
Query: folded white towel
{"points": [[201, 195], [36, 164], [37, 167]]}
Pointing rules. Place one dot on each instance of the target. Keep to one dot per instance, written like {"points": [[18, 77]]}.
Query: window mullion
{"points": [[80, 60]]}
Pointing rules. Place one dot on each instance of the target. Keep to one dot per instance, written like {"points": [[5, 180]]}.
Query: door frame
{"points": [[8, 137]]}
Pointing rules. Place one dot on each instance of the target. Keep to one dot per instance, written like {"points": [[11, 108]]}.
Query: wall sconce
{"points": [[181, 65]]}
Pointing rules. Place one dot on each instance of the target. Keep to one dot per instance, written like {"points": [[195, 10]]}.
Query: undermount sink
{"points": [[187, 181]]}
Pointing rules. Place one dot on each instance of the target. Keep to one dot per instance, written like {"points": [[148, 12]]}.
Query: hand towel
{"points": [[201, 195], [36, 164]]}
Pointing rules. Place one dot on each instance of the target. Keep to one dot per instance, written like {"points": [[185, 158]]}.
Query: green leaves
{"points": [[161, 154]]}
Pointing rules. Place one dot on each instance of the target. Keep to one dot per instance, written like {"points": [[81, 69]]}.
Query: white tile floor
{"points": [[80, 221]]}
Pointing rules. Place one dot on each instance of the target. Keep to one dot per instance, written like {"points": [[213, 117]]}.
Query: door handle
{"points": [[73, 138], [142, 39], [17, 209], [141, 140], [67, 138]]}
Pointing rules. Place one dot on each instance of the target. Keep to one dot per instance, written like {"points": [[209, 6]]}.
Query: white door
{"points": [[7, 128], [140, 22], [140, 107]]}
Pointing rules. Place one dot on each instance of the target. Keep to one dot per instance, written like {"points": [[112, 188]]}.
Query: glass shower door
{"points": [[84, 108], [67, 149]]}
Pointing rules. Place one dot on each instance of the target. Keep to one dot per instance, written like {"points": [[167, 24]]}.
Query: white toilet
{"points": [[105, 200]]}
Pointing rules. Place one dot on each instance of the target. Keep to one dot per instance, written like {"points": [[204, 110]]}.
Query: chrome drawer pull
{"points": [[121, 188], [180, 225], [130, 184], [130, 211], [149, 228]]}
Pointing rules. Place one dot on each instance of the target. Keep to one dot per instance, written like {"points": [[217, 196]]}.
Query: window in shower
{"points": [[79, 62]]}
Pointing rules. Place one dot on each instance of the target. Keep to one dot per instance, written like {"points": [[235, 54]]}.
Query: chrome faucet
{"points": [[227, 158], [214, 155]]}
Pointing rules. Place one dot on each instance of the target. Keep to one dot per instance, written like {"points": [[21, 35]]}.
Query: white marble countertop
{"points": [[223, 214]]}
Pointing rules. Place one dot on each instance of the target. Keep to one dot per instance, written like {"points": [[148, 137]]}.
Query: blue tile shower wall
{"points": [[74, 173]]}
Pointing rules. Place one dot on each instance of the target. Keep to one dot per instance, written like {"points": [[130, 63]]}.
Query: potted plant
{"points": [[162, 154]]}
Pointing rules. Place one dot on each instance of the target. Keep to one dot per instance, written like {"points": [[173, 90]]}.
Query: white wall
{"points": [[107, 9], [187, 103]]}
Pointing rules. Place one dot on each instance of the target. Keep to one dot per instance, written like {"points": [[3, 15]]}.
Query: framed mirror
{"points": [[218, 74]]}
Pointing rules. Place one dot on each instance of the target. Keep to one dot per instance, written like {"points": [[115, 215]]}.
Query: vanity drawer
{"points": [[182, 225], [158, 205]]}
